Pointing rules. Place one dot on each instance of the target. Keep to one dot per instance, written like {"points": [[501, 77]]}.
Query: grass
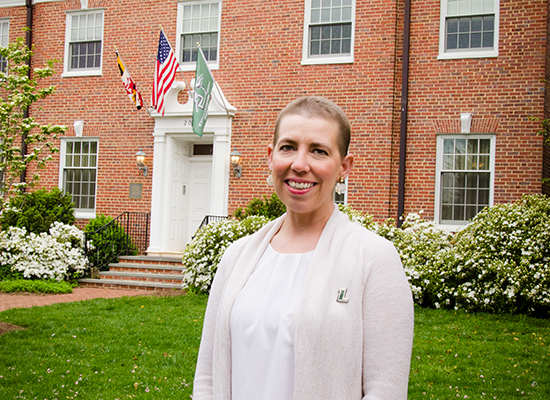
{"points": [[146, 347], [131, 347], [479, 356]]}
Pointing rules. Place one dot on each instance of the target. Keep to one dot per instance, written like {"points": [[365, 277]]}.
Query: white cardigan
{"points": [[359, 349]]}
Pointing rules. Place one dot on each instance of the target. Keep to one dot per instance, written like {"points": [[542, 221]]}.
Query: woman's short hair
{"points": [[315, 106]]}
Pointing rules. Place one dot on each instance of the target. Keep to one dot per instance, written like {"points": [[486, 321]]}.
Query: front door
{"points": [[200, 181]]}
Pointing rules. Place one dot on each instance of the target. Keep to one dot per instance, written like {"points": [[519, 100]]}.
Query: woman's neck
{"points": [[299, 233]]}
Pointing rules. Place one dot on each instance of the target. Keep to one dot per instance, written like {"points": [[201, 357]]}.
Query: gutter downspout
{"points": [[28, 42], [404, 112]]}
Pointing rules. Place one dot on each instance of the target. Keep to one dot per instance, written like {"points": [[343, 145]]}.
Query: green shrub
{"points": [[202, 256], [270, 208], [36, 286], [108, 242], [36, 211]]}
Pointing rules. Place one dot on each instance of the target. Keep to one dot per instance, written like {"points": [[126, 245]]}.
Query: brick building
{"points": [[439, 94]]}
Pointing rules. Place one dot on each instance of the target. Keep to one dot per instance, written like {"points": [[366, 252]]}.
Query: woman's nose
{"points": [[300, 162]]}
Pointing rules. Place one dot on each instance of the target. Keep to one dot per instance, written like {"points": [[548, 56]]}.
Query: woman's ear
{"points": [[270, 155], [347, 164]]}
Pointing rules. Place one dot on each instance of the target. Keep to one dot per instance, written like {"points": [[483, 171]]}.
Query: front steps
{"points": [[140, 272]]}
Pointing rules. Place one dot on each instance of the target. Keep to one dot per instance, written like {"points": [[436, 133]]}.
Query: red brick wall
{"points": [[501, 93], [546, 152], [260, 72]]}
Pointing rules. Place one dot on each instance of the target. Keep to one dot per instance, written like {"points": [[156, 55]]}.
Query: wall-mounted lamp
{"points": [[235, 158], [140, 161]]}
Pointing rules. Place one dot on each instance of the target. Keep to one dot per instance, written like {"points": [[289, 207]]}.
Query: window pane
{"points": [[472, 163], [447, 212], [460, 162], [315, 16], [483, 197], [460, 146]]}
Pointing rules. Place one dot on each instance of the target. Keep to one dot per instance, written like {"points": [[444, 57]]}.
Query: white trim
{"points": [[176, 125], [67, 72], [79, 213], [473, 53], [438, 168], [191, 66], [327, 59]]}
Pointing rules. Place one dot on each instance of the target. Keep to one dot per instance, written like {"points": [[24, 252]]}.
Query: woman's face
{"points": [[306, 164]]}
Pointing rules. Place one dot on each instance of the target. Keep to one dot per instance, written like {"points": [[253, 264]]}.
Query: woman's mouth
{"points": [[299, 185]]}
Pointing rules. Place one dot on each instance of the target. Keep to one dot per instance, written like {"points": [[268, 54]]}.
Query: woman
{"points": [[312, 306]]}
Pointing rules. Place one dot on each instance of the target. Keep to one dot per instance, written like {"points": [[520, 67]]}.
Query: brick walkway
{"points": [[24, 300]]}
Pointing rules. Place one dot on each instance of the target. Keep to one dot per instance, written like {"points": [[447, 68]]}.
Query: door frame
{"points": [[176, 124]]}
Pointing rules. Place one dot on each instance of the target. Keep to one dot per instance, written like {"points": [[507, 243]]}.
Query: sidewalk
{"points": [[25, 300]]}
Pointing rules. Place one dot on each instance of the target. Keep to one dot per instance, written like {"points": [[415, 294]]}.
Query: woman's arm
{"points": [[388, 324], [203, 386]]}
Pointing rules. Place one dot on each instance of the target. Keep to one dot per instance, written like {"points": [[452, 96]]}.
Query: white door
{"points": [[178, 202], [198, 192]]}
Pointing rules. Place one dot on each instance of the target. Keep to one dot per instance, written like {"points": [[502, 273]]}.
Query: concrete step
{"points": [[128, 284], [142, 276], [140, 272], [148, 268]]}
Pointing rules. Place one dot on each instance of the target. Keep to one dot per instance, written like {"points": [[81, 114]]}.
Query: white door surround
{"points": [[176, 194]]}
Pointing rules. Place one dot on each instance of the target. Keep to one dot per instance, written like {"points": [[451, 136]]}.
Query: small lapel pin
{"points": [[342, 296]]}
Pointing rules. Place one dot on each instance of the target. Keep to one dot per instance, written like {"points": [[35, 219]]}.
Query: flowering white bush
{"points": [[57, 255], [498, 263], [503, 259], [202, 256]]}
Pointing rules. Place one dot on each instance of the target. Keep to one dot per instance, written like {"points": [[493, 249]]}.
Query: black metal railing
{"points": [[127, 234], [208, 219]]}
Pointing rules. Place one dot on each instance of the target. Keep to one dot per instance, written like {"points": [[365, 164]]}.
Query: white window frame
{"points": [[325, 59], [4, 39], [468, 53], [67, 72], [191, 66], [79, 212], [439, 169]]}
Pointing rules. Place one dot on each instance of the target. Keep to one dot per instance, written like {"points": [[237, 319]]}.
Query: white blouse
{"points": [[262, 350]]}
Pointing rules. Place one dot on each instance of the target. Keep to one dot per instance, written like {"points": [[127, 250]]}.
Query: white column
{"points": [[158, 197]]}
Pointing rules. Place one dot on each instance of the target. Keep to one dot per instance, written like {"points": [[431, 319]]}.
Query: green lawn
{"points": [[145, 348]]}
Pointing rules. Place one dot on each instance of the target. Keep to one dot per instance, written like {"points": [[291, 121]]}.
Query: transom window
{"points": [[329, 31], [469, 28], [198, 22], [79, 173], [84, 43], [465, 180], [4, 40]]}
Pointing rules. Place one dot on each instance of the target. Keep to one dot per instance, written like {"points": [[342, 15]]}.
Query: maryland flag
{"points": [[129, 84]]}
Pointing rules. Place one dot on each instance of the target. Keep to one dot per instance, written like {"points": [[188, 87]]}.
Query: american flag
{"points": [[165, 72]]}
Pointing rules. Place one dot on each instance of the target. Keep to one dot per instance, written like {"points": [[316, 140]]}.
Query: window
{"points": [[83, 43], [465, 177], [341, 198], [4, 39], [198, 22], [468, 29], [328, 31], [79, 174]]}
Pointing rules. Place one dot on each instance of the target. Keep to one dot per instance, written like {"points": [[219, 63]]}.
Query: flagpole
{"points": [[215, 83]]}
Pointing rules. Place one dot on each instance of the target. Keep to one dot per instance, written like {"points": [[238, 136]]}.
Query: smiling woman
{"points": [[311, 306]]}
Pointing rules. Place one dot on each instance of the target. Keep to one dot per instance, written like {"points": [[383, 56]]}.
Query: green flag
{"points": [[204, 82]]}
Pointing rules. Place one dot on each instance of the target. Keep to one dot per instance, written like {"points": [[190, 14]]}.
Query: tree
{"points": [[19, 89]]}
